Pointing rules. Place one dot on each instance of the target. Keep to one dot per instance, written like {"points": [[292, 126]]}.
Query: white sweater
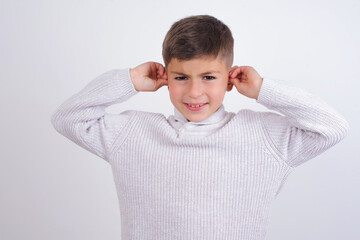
{"points": [[214, 179]]}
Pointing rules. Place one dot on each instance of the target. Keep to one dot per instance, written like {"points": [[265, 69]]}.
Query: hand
{"points": [[246, 80], [149, 76]]}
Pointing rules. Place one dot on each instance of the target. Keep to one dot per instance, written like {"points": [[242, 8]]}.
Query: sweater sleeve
{"points": [[309, 125], [82, 117]]}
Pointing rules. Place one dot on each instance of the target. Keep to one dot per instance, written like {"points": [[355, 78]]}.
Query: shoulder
{"points": [[140, 124], [146, 118], [247, 116], [257, 119], [148, 115]]}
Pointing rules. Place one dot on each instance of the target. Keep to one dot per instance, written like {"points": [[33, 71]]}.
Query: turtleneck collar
{"points": [[209, 125]]}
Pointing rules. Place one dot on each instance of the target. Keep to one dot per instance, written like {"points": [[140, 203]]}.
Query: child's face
{"points": [[200, 81]]}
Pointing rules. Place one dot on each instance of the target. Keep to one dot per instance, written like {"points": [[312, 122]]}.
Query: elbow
{"points": [[56, 120], [345, 128], [341, 128], [338, 132]]}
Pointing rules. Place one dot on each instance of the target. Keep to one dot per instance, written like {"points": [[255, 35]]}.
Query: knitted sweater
{"points": [[214, 179]]}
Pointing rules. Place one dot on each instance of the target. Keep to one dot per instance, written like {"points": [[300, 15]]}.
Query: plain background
{"points": [[52, 189]]}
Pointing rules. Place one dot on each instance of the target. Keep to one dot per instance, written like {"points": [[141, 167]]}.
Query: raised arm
{"points": [[309, 125], [82, 117]]}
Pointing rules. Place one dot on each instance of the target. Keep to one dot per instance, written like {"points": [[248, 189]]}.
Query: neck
{"points": [[203, 128]]}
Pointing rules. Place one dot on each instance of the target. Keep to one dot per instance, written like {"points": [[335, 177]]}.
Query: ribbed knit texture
{"points": [[210, 180]]}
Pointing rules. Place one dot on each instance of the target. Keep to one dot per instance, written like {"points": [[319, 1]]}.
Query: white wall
{"points": [[52, 189]]}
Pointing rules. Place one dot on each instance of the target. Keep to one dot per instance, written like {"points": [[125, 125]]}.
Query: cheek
{"points": [[217, 91], [175, 92], [220, 86], [217, 94]]}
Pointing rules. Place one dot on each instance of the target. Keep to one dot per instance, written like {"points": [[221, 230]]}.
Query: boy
{"points": [[202, 173]]}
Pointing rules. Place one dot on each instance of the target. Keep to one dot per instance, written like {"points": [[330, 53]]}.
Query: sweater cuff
{"points": [[266, 94], [274, 93], [115, 84], [126, 85]]}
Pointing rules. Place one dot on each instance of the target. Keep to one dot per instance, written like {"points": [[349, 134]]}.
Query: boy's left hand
{"points": [[246, 80]]}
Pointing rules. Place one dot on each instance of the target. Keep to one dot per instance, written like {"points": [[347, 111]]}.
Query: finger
{"points": [[235, 81], [232, 68], [158, 70], [165, 75], [246, 69], [242, 88], [161, 83], [235, 72], [153, 70], [237, 85], [162, 74], [161, 70]]}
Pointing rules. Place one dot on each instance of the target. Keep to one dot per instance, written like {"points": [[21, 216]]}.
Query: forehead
{"points": [[200, 64]]}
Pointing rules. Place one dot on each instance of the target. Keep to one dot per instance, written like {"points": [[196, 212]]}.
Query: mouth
{"points": [[195, 106]]}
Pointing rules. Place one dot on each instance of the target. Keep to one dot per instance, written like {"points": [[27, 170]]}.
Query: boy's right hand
{"points": [[149, 76]]}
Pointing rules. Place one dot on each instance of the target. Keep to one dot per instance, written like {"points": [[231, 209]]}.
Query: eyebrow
{"points": [[209, 72]]}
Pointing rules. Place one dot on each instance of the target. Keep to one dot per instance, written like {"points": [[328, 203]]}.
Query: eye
{"points": [[180, 78], [209, 77]]}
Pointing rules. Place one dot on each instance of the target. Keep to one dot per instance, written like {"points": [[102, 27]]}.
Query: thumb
{"points": [[240, 87], [160, 82]]}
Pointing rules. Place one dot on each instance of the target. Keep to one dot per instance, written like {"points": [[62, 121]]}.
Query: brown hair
{"points": [[198, 36]]}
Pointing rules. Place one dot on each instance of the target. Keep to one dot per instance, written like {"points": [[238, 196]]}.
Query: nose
{"points": [[195, 89]]}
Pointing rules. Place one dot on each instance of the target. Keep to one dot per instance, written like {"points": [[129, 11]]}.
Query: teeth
{"points": [[196, 105]]}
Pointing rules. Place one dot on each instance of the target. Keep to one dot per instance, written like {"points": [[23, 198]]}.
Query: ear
{"points": [[229, 86]]}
